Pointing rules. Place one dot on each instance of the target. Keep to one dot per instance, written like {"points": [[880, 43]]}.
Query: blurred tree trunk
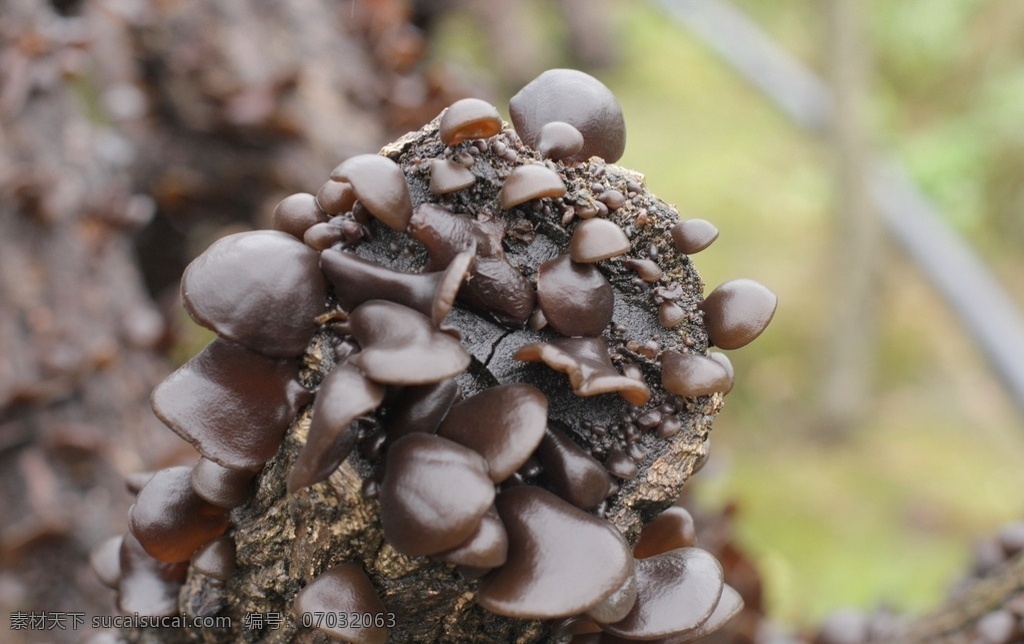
{"points": [[849, 347]]}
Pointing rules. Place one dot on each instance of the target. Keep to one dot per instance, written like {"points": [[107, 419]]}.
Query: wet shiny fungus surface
{"points": [[261, 289], [549, 573], [406, 301], [433, 495], [343, 590]]}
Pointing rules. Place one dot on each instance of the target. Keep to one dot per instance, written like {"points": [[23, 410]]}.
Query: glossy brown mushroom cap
{"points": [[336, 197], [553, 553], [216, 559], [616, 606], [597, 239], [736, 312], [487, 548], [469, 118], [504, 424], [586, 362], [224, 487], [344, 395], [420, 409], [433, 495], [676, 592], [688, 374], [447, 176], [380, 186], [576, 298], [170, 520], [571, 472], [575, 98], [261, 289], [147, 586], [296, 213], [559, 140], [343, 590], [529, 182], [401, 346], [693, 235], [230, 403]]}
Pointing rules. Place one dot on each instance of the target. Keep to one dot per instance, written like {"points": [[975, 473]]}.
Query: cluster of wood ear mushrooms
{"points": [[449, 477]]}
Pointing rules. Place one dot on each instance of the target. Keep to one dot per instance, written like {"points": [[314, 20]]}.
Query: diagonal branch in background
{"points": [[986, 310]]}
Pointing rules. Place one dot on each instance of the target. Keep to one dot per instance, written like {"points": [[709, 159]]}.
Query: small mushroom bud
{"points": [[737, 312], [296, 213], [336, 197], [447, 176], [558, 140], [147, 586], [597, 239], [691, 375], [693, 235], [224, 487], [216, 559], [380, 186], [671, 529], [529, 182], [469, 118], [343, 590]]}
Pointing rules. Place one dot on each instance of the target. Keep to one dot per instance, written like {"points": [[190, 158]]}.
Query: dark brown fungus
{"points": [[586, 362], [559, 140], [225, 487], [597, 239], [447, 176], [620, 464], [296, 213], [420, 409], [495, 286], [433, 495], [147, 586], [552, 551], [401, 346], [323, 235], [105, 560], [504, 424], [529, 182], [170, 520], [617, 605], [670, 315], [469, 118], [344, 395], [671, 529], [570, 472], [690, 375], [216, 559], [357, 280], [487, 548], [577, 99], [576, 298], [648, 270], [676, 592], [737, 312], [723, 360], [612, 198], [343, 590], [693, 235], [336, 197], [380, 186], [231, 404], [261, 289]]}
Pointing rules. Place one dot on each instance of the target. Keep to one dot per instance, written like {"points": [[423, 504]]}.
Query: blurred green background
{"points": [[888, 512]]}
